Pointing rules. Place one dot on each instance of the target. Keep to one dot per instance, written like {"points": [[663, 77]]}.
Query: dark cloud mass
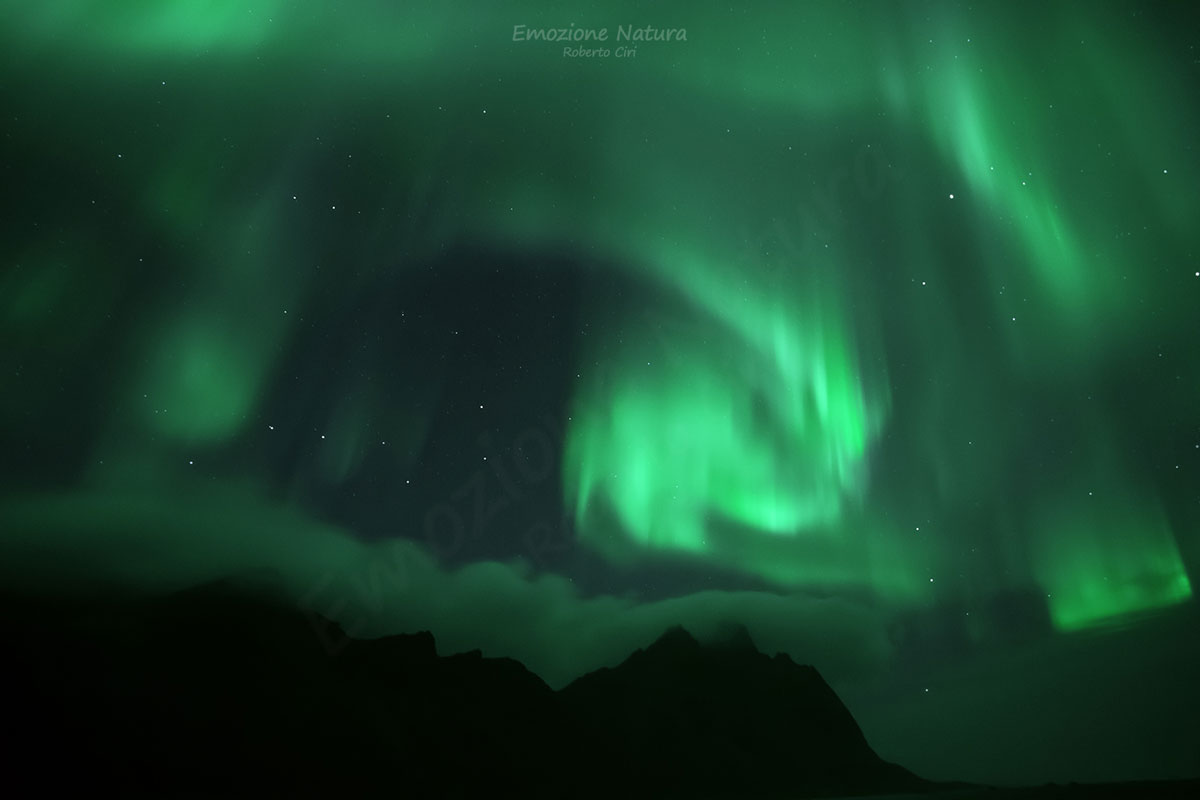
{"points": [[870, 327]]}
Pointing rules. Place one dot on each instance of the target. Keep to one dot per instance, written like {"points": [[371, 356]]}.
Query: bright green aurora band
{"points": [[756, 417], [913, 325]]}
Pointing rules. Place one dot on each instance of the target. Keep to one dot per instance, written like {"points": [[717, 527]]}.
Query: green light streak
{"points": [[1100, 562]]}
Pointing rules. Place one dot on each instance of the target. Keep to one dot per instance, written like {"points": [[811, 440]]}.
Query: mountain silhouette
{"points": [[219, 691], [730, 718]]}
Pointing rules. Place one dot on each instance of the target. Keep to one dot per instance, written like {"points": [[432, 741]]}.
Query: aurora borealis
{"points": [[870, 326]]}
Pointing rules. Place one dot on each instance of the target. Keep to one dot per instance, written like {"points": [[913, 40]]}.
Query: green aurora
{"points": [[884, 318]]}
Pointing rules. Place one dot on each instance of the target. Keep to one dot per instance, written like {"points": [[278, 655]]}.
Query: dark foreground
{"points": [[216, 692], [1152, 790]]}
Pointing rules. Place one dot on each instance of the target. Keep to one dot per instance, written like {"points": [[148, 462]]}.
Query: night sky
{"points": [[872, 326]]}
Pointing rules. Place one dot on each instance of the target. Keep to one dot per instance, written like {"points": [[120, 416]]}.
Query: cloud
{"points": [[194, 534]]}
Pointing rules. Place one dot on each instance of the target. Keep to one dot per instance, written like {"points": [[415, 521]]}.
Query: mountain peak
{"points": [[675, 637], [727, 636], [733, 636]]}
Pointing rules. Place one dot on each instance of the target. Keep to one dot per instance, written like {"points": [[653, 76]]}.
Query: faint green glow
{"points": [[342, 449], [200, 383], [1002, 172], [170, 28], [1101, 561], [164, 27], [32, 292], [204, 364], [1046, 177]]}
